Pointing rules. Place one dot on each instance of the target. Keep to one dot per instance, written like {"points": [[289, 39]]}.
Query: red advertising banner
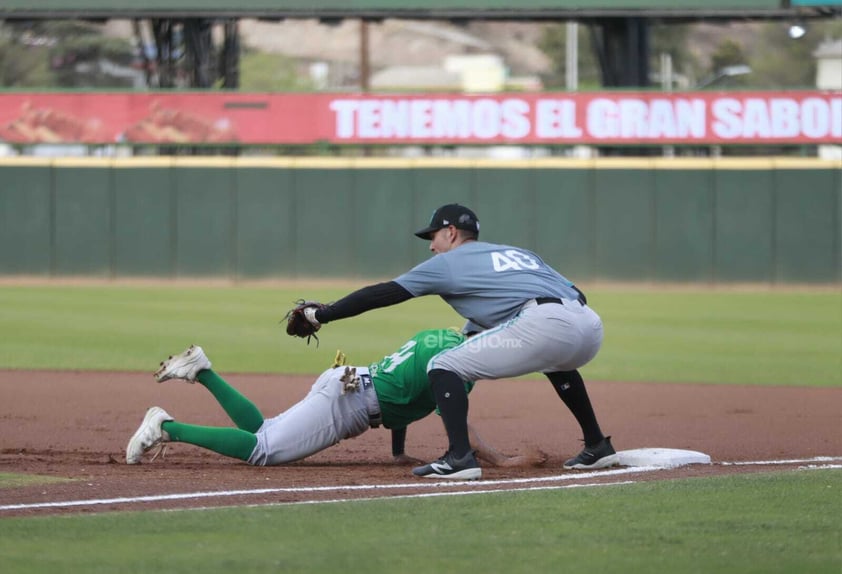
{"points": [[632, 118]]}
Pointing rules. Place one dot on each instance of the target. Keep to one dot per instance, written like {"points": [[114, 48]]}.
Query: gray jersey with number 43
{"points": [[486, 283]]}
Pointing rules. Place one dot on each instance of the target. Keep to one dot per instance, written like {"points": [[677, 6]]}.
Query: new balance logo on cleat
{"points": [[601, 455], [465, 468]]}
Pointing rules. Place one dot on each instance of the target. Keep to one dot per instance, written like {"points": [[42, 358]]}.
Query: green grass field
{"points": [[779, 338], [765, 523], [770, 523]]}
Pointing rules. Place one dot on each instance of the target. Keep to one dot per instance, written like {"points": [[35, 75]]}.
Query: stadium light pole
{"points": [[725, 72]]}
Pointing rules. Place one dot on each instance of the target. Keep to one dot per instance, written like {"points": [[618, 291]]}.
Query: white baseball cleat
{"points": [[148, 434], [183, 366]]}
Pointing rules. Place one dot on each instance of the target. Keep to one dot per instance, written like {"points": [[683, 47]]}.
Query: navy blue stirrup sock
{"points": [[452, 401], [570, 387]]}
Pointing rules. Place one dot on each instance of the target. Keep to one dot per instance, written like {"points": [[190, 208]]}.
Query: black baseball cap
{"points": [[453, 214]]}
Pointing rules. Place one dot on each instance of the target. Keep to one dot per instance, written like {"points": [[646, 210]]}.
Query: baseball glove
{"points": [[301, 320]]}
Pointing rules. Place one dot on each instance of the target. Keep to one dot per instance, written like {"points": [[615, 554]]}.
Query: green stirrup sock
{"points": [[232, 442], [241, 410]]}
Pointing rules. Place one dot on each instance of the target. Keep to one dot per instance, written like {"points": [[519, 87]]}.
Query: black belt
{"points": [[545, 300]]}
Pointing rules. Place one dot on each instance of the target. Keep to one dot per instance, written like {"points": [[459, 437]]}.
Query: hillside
{"points": [[414, 43], [427, 43]]}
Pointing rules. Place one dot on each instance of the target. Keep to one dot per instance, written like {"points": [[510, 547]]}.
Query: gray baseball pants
{"points": [[541, 338], [321, 419]]}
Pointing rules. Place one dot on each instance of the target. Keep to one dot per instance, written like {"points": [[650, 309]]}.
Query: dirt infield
{"points": [[76, 424]]}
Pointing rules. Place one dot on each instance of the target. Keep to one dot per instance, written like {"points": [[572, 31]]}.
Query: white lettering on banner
{"points": [[726, 120], [452, 119], [393, 118], [662, 120], [516, 123], [784, 117], [486, 119], [777, 118], [602, 118], [369, 122], [635, 118], [815, 119], [556, 119], [345, 110], [680, 117], [735, 118], [632, 119], [691, 118], [483, 119], [756, 122], [421, 118]]}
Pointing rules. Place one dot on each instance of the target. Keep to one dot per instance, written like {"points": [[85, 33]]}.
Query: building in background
{"points": [[829, 77]]}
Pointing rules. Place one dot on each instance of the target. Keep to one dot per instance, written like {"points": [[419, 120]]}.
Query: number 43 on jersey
{"points": [[513, 260]]}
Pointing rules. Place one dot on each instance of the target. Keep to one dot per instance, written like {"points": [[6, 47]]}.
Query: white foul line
{"points": [[248, 492], [409, 496], [792, 461], [396, 486]]}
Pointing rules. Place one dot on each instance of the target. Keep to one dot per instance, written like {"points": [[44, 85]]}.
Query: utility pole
{"points": [[571, 67], [365, 70]]}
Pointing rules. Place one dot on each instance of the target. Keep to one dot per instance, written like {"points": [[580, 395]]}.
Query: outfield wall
{"points": [[678, 220]]}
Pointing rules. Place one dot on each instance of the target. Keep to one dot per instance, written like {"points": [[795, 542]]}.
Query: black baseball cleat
{"points": [[602, 455], [465, 468]]}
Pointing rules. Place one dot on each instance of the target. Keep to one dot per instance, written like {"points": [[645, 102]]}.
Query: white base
{"points": [[661, 457]]}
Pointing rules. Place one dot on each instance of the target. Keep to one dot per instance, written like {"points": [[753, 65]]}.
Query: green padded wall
{"points": [[744, 214], [325, 226], [724, 221], [383, 218], [144, 229], [205, 216], [26, 226], [564, 211], [624, 223], [83, 222], [806, 215], [505, 206], [684, 225], [265, 223]]}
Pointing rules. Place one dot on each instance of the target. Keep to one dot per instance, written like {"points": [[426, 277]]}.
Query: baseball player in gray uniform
{"points": [[526, 318], [344, 402]]}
